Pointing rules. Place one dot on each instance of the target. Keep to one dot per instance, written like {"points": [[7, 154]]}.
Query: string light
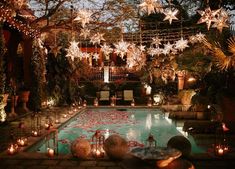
{"points": [[7, 15]]}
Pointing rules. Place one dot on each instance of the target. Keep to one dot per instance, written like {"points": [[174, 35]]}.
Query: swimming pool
{"points": [[133, 124]]}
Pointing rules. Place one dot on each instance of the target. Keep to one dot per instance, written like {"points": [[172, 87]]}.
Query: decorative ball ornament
{"points": [[116, 147], [81, 148]]}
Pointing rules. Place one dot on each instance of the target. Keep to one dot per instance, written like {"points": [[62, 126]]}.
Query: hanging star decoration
{"points": [[151, 6], [167, 48], [170, 14], [200, 37], [222, 61], [181, 44], [96, 56], [73, 51], [97, 38], [86, 55], [221, 20], [85, 33], [55, 50], [135, 58], [156, 41], [84, 17], [141, 48], [121, 48], [208, 16], [106, 49]]}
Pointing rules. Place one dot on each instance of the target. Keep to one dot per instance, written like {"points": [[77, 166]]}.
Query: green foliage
{"points": [[38, 72], [2, 64]]}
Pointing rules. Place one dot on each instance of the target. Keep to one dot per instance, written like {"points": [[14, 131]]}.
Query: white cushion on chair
{"points": [[104, 95], [128, 95]]}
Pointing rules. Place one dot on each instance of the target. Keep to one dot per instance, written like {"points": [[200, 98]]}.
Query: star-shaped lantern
{"points": [[167, 48], [200, 36], [84, 17], [106, 49], [156, 41], [208, 16], [222, 20], [85, 33], [55, 50], [73, 51], [121, 48], [170, 14], [97, 38], [96, 56], [150, 6], [141, 48], [181, 44]]}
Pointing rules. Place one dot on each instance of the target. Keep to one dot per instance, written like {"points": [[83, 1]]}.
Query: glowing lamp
{"points": [[12, 149], [149, 104], [50, 152], [96, 102], [22, 142], [98, 144], [133, 103]]}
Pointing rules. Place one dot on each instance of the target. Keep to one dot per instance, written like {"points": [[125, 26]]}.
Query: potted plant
{"points": [[3, 95]]}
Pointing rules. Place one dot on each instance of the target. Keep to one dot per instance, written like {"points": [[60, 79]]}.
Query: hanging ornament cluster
{"points": [[8, 15], [219, 17]]}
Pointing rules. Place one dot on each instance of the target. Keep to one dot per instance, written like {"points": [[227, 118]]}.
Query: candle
{"points": [[22, 141], [220, 151], [34, 133], [132, 104], [47, 126], [50, 152], [12, 149], [65, 115]]}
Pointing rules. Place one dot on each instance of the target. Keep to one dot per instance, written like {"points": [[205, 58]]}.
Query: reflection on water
{"points": [[133, 134], [148, 124]]}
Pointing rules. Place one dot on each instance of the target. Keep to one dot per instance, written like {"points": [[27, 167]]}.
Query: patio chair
{"points": [[104, 95], [128, 95]]}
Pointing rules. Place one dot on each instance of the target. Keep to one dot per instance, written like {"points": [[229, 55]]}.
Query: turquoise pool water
{"points": [[132, 124]]}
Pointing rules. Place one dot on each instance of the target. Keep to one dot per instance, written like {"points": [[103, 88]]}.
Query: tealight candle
{"points": [[34, 133], [12, 149], [65, 115], [21, 141], [220, 151], [50, 152]]}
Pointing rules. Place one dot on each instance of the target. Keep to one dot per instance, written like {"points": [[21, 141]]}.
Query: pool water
{"points": [[134, 125]]}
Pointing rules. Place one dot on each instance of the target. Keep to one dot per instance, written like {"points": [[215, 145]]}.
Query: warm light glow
{"points": [[12, 149], [22, 141], [191, 79], [50, 152], [34, 133]]}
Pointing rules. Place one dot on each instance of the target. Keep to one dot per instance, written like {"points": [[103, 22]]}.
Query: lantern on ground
{"points": [[84, 103], [221, 147], [13, 147], [52, 143], [151, 142], [149, 104], [96, 102], [113, 101], [36, 124], [48, 123], [133, 102], [98, 144], [22, 140]]}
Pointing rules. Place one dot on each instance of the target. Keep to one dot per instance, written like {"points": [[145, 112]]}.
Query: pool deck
{"points": [[26, 160]]}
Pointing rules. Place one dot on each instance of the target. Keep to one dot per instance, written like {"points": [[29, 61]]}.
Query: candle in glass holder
{"points": [[12, 149], [22, 141], [65, 115], [50, 152], [220, 151], [34, 133]]}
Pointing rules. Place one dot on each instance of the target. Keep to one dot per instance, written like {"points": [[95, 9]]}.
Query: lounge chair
{"points": [[128, 95]]}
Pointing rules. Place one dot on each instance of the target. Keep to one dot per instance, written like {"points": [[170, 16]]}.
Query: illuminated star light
{"points": [[170, 14], [208, 16], [141, 48], [181, 44], [167, 48], [156, 41], [106, 49], [84, 17], [222, 20], [121, 48], [73, 50], [96, 56], [97, 38], [85, 33], [150, 6], [200, 36]]}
